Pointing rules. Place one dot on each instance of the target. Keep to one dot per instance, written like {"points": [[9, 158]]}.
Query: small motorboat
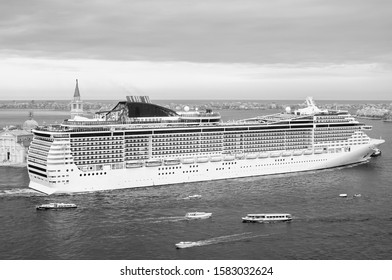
{"points": [[266, 218], [195, 196], [55, 206], [197, 215], [376, 153], [186, 244], [343, 195], [357, 195]]}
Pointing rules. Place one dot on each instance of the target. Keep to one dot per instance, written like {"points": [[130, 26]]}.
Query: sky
{"points": [[195, 49]]}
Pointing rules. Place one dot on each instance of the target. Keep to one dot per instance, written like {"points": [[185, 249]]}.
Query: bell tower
{"points": [[77, 103]]}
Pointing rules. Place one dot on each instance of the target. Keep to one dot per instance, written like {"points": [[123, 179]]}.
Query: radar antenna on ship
{"points": [[310, 102], [310, 109]]}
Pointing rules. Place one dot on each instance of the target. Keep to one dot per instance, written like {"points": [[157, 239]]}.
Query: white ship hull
{"points": [[146, 176]]}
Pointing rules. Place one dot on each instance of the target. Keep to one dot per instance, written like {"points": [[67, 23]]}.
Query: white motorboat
{"points": [[343, 195], [186, 244], [195, 196], [376, 153], [266, 218], [197, 215], [55, 206]]}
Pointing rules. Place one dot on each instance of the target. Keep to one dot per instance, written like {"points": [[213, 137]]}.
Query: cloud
{"points": [[225, 31], [102, 79], [196, 49]]}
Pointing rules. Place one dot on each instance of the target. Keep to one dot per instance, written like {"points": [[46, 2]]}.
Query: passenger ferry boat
{"points": [[55, 206], [139, 144], [266, 218]]}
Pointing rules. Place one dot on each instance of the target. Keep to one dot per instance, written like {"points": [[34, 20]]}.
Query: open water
{"points": [[145, 223]]}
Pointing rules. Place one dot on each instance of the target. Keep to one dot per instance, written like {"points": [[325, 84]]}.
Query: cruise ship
{"points": [[141, 144]]}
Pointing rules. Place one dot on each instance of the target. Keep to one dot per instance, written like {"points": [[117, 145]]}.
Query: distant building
{"points": [[30, 124], [77, 103], [14, 145]]}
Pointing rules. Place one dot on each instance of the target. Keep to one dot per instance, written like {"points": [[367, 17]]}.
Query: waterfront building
{"points": [[14, 145], [29, 124], [14, 142]]}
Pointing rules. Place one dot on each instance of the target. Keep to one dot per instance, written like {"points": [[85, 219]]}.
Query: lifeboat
{"points": [[172, 161], [276, 154], [202, 159], [251, 156], [134, 164], [215, 159], [229, 158], [263, 155], [188, 160], [239, 156], [318, 151], [153, 162], [297, 153]]}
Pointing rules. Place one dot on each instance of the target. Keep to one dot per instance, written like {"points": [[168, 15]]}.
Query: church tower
{"points": [[77, 103]]}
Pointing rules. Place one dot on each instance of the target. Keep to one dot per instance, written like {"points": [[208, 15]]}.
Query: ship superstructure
{"points": [[139, 144]]}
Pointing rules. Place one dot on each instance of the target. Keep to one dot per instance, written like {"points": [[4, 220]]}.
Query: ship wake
{"points": [[226, 239], [20, 192], [161, 220]]}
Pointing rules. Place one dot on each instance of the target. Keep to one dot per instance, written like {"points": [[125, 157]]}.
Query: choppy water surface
{"points": [[145, 223]]}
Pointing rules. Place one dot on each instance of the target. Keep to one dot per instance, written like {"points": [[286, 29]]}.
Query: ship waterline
{"points": [[139, 144]]}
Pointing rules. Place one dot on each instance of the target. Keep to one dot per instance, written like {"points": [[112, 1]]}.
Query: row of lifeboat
{"points": [[218, 158]]}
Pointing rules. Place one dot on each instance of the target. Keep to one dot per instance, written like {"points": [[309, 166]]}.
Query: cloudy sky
{"points": [[196, 49]]}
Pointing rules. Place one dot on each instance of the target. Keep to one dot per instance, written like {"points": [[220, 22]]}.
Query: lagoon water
{"points": [[145, 223]]}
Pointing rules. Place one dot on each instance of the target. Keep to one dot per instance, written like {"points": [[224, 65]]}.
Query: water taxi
{"points": [[195, 196], [185, 244], [55, 206], [197, 215], [266, 218]]}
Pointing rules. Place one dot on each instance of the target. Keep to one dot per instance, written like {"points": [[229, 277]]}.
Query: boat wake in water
{"points": [[20, 192], [161, 220], [225, 239]]}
